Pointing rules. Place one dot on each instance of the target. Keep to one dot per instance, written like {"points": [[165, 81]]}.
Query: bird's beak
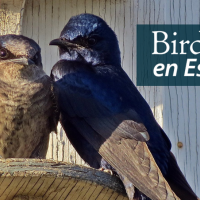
{"points": [[23, 61], [62, 43]]}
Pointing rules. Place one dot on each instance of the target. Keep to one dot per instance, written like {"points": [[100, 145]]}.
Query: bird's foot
{"points": [[106, 170]]}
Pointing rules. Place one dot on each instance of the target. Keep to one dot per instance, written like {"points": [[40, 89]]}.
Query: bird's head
{"points": [[19, 50], [88, 38]]}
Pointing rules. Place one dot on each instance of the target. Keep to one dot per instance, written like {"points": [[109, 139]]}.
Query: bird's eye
{"points": [[92, 41], [4, 53]]}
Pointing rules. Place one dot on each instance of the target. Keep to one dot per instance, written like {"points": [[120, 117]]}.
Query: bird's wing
{"points": [[129, 156], [115, 131]]}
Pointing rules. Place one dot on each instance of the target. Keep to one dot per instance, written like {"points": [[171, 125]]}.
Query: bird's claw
{"points": [[106, 170]]}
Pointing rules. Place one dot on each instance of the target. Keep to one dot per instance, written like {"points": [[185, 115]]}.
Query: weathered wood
{"points": [[175, 108], [36, 179], [11, 15]]}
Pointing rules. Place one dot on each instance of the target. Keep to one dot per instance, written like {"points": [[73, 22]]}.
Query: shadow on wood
{"points": [[35, 179]]}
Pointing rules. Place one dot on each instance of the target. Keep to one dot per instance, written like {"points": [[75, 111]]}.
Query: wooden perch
{"points": [[35, 179]]}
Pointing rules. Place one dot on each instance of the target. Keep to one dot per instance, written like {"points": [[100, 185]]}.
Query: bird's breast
{"points": [[25, 109]]}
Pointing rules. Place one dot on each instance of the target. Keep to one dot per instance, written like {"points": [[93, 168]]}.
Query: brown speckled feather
{"points": [[27, 115], [26, 111]]}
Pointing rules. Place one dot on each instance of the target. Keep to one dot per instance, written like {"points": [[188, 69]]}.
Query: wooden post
{"points": [[11, 15]]}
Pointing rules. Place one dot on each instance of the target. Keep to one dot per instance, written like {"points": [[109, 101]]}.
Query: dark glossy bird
{"points": [[105, 117], [27, 112]]}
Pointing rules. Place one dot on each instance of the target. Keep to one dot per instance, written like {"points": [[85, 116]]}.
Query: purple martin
{"points": [[27, 105], [106, 118]]}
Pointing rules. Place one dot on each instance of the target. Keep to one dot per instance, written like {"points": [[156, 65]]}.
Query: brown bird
{"points": [[27, 112]]}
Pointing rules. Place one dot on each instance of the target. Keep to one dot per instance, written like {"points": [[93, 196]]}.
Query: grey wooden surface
{"points": [[175, 108]]}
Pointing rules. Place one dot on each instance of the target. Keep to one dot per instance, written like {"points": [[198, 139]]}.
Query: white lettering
{"points": [[189, 67], [162, 41], [157, 69], [168, 68]]}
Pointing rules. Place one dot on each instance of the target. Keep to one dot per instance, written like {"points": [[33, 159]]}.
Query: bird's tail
{"points": [[132, 192], [177, 181]]}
